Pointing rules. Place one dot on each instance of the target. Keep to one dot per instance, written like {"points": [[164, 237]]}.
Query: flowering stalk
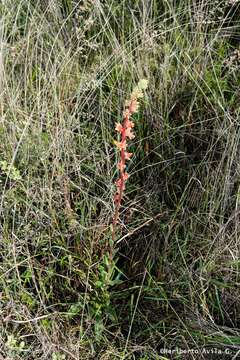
{"points": [[126, 132]]}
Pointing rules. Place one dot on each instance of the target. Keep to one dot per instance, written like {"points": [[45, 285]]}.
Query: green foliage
{"points": [[14, 346], [10, 171], [58, 356]]}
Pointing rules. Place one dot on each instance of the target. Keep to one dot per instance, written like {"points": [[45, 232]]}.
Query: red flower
{"points": [[127, 155], [129, 124], [133, 106], [126, 113], [118, 182], [129, 133], [122, 145], [118, 127], [121, 166], [125, 176]]}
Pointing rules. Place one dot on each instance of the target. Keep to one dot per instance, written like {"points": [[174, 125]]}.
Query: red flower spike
{"points": [[126, 132]]}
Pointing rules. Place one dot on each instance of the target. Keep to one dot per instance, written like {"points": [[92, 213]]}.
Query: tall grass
{"points": [[66, 68]]}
